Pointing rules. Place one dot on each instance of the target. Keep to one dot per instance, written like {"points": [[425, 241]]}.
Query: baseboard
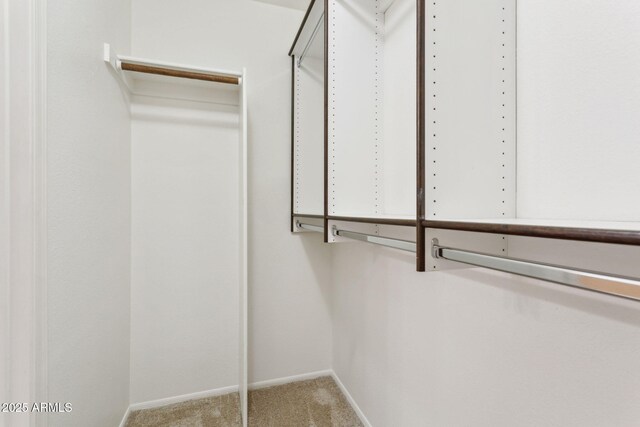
{"points": [[290, 379], [352, 402], [182, 398], [253, 386], [126, 417]]}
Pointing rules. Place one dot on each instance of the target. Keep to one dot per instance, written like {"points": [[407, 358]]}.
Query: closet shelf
{"points": [[299, 215], [153, 78], [624, 233], [315, 13], [405, 222]]}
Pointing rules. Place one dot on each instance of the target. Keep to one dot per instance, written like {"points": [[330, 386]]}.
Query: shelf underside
{"points": [[626, 233], [381, 220]]}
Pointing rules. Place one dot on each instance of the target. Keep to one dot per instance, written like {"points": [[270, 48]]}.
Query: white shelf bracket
{"points": [[112, 59]]}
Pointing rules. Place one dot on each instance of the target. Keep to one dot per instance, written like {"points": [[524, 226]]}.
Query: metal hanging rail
{"points": [[310, 227], [624, 287], [404, 245], [313, 36]]}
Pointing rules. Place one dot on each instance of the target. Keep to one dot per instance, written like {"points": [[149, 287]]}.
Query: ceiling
{"points": [[293, 4]]}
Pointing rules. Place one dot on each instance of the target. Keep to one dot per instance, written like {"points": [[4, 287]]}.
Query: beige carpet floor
{"points": [[313, 403], [222, 411]]}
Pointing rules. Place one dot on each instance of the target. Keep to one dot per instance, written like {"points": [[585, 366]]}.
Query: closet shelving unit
{"points": [[460, 135], [308, 119], [480, 186], [145, 77], [353, 117]]}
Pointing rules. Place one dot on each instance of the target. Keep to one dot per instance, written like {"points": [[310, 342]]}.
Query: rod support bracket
{"points": [[435, 248]]}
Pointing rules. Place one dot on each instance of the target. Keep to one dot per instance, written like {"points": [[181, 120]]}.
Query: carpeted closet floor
{"points": [[313, 403]]}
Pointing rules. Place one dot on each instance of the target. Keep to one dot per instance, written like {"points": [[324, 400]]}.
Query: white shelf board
{"points": [[177, 67], [313, 16], [560, 223], [145, 84], [377, 216]]}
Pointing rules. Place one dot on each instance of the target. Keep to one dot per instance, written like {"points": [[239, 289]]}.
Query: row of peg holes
{"points": [[297, 145]]}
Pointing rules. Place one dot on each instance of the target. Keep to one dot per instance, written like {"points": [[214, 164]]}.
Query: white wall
{"points": [[481, 348], [89, 207], [289, 302], [185, 245]]}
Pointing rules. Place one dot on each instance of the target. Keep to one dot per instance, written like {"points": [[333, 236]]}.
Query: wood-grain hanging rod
{"points": [[149, 69]]}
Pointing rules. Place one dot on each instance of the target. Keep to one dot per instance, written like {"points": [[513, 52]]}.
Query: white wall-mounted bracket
{"points": [[114, 62]]}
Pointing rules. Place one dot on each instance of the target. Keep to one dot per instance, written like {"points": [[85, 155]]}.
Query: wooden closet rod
{"points": [[148, 69]]}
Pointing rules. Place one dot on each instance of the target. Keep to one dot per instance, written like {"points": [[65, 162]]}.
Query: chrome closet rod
{"points": [[624, 287], [313, 36], [404, 245], [310, 227]]}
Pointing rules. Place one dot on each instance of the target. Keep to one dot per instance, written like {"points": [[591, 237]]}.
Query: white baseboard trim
{"points": [[126, 417], [253, 386], [293, 378], [182, 398], [352, 402]]}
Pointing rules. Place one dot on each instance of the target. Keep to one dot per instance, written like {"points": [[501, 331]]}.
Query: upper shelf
{"points": [[150, 77], [310, 23], [379, 219], [624, 233]]}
